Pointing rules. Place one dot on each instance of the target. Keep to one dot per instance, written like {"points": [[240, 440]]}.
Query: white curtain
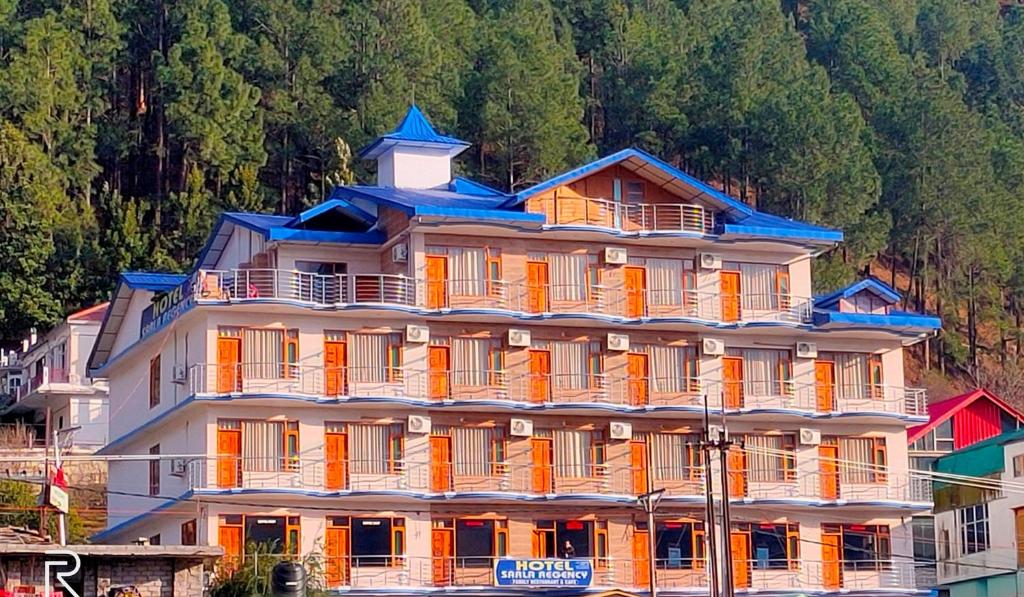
{"points": [[572, 453], [757, 283], [569, 365], [368, 355], [665, 281], [856, 459], [467, 271], [472, 450], [761, 372], [670, 455], [262, 353], [851, 375], [765, 460], [262, 445], [369, 447], [568, 276], [470, 361], [668, 366]]}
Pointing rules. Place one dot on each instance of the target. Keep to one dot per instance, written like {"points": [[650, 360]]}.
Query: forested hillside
{"points": [[126, 126]]}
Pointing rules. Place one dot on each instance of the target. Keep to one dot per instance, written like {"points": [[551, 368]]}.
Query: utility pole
{"points": [[650, 501], [723, 444], [43, 505], [61, 519], [709, 500]]}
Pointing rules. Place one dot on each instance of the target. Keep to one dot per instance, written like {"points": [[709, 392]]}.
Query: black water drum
{"points": [[288, 579]]}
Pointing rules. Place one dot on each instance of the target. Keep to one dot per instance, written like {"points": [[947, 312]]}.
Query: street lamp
{"points": [[650, 501]]}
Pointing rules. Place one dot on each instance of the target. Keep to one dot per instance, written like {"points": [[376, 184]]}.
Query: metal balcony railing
{"points": [[515, 297], [631, 217]]}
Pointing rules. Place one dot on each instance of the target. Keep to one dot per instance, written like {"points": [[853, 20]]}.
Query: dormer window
{"points": [[634, 192]]}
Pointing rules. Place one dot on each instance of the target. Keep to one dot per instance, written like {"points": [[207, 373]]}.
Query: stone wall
{"points": [[152, 576]]}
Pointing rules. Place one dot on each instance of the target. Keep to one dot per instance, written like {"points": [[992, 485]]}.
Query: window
{"points": [[291, 354], [864, 547], [477, 451], [766, 373], [858, 376], [477, 541], [672, 368], [473, 359], [568, 274], [278, 533], [469, 268], [944, 441], [154, 381], [923, 531], [155, 539], [771, 458], [973, 522], [374, 541], [760, 284], [675, 456], [291, 446], [634, 191], [154, 471], [494, 285], [266, 445], [376, 358], [679, 544], [573, 364], [772, 546], [579, 454], [569, 538], [862, 459], [188, 532], [665, 280], [376, 449], [1018, 465]]}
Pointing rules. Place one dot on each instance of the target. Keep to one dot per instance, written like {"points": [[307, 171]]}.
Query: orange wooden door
{"points": [[831, 572], [635, 283], [335, 362], [336, 455], [539, 543], [737, 462], [543, 454], [540, 375], [740, 548], [638, 465], [825, 383], [336, 543], [536, 286], [641, 558], [229, 370], [828, 468], [439, 362], [732, 378], [730, 287], [440, 463], [230, 539], [229, 457], [441, 543], [638, 372], [437, 281]]}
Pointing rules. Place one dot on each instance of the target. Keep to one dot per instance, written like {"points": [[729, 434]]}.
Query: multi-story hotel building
{"points": [[416, 378]]}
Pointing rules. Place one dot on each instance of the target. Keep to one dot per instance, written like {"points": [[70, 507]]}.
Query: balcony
{"points": [[761, 485], [451, 478], [515, 298], [635, 218], [545, 389], [49, 379], [384, 573]]}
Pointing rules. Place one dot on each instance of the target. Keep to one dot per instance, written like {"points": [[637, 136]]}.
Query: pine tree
{"points": [[527, 94]]}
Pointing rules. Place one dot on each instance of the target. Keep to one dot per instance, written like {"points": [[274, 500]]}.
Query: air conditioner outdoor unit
{"points": [[810, 437], [618, 342], [400, 253], [806, 350], [615, 256], [713, 346], [419, 424], [417, 333], [710, 261], [620, 430], [178, 467], [179, 374], [519, 338], [521, 427]]}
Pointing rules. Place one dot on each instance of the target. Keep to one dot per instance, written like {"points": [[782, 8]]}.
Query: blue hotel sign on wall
{"points": [[166, 307], [543, 573]]}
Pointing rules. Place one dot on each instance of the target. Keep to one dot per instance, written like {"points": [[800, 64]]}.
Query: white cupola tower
{"points": [[414, 155]]}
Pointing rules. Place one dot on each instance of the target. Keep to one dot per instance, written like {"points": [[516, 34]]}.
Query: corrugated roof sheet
{"points": [[153, 281], [414, 129], [409, 199], [939, 411]]}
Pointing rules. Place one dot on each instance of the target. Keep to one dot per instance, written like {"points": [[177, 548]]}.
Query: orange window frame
{"points": [[875, 377], [499, 451], [879, 459], [601, 557], [291, 446], [292, 535], [785, 374], [394, 358], [291, 353], [496, 362], [398, 537], [782, 287], [154, 381], [793, 545], [789, 458], [593, 277], [598, 451], [396, 448], [493, 272]]}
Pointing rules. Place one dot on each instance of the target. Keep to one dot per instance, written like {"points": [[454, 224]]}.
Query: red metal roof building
{"points": [[961, 421]]}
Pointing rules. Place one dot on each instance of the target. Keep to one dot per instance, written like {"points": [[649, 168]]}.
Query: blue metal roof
{"points": [[466, 186], [332, 203], [870, 284], [762, 224], [152, 281], [894, 320], [255, 221], [414, 130], [408, 200]]}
